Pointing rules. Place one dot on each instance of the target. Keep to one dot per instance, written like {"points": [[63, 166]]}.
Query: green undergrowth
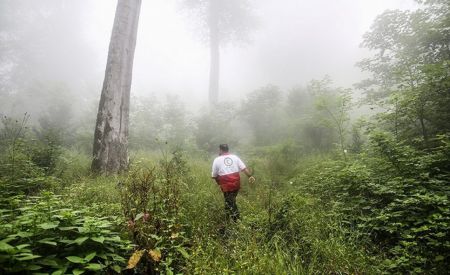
{"points": [[394, 195], [280, 232], [168, 207], [42, 234]]}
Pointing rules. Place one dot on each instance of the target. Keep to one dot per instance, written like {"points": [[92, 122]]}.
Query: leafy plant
{"points": [[151, 204], [397, 196], [19, 173], [42, 234]]}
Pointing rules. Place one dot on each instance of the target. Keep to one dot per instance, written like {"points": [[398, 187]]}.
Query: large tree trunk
{"points": [[110, 152], [214, 44]]}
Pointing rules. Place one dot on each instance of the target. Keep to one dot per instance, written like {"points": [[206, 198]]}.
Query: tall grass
{"points": [[281, 230]]}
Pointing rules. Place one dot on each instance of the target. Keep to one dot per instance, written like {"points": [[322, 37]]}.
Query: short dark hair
{"points": [[223, 147]]}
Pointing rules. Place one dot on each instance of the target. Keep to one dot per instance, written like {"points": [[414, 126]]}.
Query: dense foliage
{"points": [[43, 234], [395, 195], [150, 200], [335, 193]]}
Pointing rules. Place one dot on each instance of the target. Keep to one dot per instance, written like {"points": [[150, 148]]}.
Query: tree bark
{"points": [[214, 44], [110, 151]]}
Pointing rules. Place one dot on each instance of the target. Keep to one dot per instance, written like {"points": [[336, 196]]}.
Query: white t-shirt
{"points": [[227, 164]]}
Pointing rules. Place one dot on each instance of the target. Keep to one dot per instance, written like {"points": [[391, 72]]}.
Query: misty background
{"points": [[53, 58], [294, 42]]}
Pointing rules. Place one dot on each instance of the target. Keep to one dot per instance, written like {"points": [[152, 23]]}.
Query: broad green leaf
{"points": [[49, 262], [115, 239], [75, 259], [104, 225], [94, 267], [66, 228], [82, 229], [116, 257], [23, 234], [80, 240], [28, 257], [100, 239], [77, 271], [103, 256], [117, 268], [26, 222], [7, 240], [48, 242], [48, 225], [90, 256], [5, 247], [33, 267], [67, 241], [22, 246]]}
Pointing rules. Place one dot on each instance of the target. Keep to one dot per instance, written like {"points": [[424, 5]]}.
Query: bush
{"points": [[42, 234], [42, 147], [317, 236], [25, 164], [396, 195], [46, 149], [279, 161], [151, 204]]}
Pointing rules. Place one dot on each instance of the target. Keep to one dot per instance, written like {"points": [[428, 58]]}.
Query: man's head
{"points": [[223, 148]]}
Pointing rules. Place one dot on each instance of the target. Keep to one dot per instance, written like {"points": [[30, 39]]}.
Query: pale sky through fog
{"points": [[297, 40]]}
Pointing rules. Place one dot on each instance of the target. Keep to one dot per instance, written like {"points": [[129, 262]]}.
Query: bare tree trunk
{"points": [[214, 44], [422, 126], [110, 152]]}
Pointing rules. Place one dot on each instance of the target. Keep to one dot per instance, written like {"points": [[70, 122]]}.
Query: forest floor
{"points": [[166, 215], [281, 230]]}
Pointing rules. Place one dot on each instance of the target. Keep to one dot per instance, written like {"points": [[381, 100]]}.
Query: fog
{"points": [[294, 42], [55, 44]]}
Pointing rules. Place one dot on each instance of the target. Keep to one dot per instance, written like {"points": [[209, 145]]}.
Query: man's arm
{"points": [[214, 174], [246, 171]]}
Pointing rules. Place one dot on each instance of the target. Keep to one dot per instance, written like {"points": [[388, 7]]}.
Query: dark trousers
{"points": [[231, 208]]}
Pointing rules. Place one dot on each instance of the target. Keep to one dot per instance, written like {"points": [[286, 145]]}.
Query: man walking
{"points": [[225, 171]]}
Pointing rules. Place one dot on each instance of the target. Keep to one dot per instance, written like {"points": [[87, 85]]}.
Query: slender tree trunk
{"points": [[214, 44], [423, 127], [110, 152], [396, 123]]}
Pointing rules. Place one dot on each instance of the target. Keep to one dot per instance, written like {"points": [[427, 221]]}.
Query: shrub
{"points": [[25, 165], [46, 149], [151, 204], [42, 234], [395, 194]]}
